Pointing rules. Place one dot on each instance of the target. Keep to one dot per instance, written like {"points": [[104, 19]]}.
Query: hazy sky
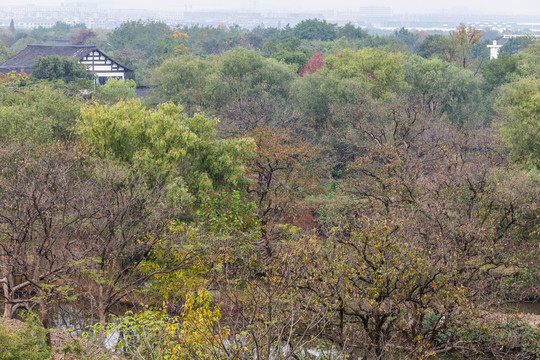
{"points": [[527, 7]]}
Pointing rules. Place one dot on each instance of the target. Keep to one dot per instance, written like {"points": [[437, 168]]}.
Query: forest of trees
{"points": [[312, 192]]}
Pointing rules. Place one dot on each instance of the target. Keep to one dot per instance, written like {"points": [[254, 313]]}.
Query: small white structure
{"points": [[494, 50]]}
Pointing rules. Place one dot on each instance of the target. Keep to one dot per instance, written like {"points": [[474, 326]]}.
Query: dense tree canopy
{"points": [[138, 35], [169, 146], [446, 89], [434, 45], [307, 192], [518, 110], [315, 29], [36, 113]]}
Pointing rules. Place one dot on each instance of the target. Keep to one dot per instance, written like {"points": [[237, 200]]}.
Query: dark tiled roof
{"points": [[27, 57]]}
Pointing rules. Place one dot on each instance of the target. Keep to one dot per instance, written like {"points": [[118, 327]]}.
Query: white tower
{"points": [[494, 50]]}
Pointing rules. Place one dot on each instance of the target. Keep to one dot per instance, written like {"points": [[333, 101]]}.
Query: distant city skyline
{"points": [[383, 17], [516, 7]]}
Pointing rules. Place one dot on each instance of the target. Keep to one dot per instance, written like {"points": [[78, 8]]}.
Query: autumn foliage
{"points": [[83, 37], [380, 203], [316, 62]]}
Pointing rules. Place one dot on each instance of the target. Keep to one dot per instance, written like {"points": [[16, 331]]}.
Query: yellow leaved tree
{"points": [[461, 45], [153, 334]]}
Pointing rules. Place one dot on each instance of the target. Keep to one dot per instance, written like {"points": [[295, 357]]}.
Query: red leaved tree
{"points": [[314, 63], [83, 37]]}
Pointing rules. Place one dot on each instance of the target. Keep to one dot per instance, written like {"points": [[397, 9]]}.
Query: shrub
{"points": [[29, 343]]}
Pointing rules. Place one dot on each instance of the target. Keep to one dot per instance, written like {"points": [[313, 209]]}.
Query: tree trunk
{"points": [[8, 305], [102, 313], [45, 318], [8, 310], [44, 313]]}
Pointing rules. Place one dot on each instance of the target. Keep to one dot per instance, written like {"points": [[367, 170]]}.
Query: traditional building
{"points": [[89, 55]]}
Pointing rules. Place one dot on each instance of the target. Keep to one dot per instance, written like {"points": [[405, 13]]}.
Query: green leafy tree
{"points": [[115, 90], [54, 67], [348, 78], [4, 52], [289, 52], [517, 44], [247, 72], [170, 147], [236, 86], [434, 45], [22, 42], [315, 29], [446, 89], [518, 120], [8, 37], [37, 113], [406, 37], [60, 30], [349, 31], [380, 70], [528, 64], [311, 100], [500, 71], [182, 80], [343, 95], [138, 35], [140, 44]]}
